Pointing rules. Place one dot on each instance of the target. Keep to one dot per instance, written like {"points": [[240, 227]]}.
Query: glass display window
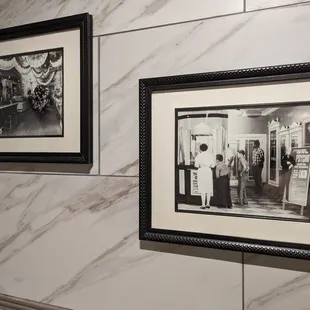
{"points": [[295, 131], [273, 151], [284, 142]]}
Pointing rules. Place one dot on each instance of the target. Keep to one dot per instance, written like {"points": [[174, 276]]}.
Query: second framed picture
{"points": [[46, 91], [225, 160]]}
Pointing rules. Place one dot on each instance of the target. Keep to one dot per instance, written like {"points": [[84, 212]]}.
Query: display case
{"points": [[273, 151], [284, 142], [306, 131], [193, 130], [295, 132]]}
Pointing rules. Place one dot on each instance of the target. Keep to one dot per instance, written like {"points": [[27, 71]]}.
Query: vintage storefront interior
{"points": [[31, 95], [228, 131]]}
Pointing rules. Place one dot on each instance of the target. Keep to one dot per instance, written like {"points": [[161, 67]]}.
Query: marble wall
{"points": [[69, 237]]}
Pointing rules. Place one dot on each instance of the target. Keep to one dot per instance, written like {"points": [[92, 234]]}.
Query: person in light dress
{"points": [[204, 161]]}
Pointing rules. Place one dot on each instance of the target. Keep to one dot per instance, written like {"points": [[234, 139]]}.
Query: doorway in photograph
{"points": [[246, 142], [31, 94], [250, 162]]}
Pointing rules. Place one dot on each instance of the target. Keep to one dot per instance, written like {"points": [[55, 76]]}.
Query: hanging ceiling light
{"points": [[202, 129], [236, 112]]}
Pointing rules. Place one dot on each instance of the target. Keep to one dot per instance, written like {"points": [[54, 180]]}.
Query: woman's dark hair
{"points": [[203, 147], [242, 152], [219, 157]]}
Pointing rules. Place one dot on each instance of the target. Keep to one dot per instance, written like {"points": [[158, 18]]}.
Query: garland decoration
{"points": [[40, 66]]}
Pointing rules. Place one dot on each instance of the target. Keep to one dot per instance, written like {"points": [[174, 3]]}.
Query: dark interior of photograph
{"points": [[251, 162], [31, 94]]}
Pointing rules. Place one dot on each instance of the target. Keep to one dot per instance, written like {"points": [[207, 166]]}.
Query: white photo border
{"points": [[70, 42], [163, 176]]}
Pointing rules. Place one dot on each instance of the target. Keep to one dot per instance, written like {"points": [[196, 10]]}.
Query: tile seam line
{"points": [[243, 282], [166, 25], [99, 105], [200, 19], [66, 174]]}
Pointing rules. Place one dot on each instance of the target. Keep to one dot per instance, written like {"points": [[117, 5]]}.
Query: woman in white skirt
{"points": [[204, 161]]}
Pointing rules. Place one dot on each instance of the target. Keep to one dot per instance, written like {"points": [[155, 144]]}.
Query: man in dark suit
{"points": [[287, 163]]}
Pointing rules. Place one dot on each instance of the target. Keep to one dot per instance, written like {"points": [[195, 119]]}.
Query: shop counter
{"points": [[187, 185]]}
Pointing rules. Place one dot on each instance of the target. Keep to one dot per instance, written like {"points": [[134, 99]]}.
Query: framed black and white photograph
{"points": [[225, 160], [46, 91]]}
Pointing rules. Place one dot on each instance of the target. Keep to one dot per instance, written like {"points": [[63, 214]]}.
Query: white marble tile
{"points": [[248, 40], [69, 168], [54, 226], [263, 4], [73, 242], [118, 15], [153, 281], [272, 283]]}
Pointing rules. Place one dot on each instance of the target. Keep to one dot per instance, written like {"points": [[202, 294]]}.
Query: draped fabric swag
{"points": [[40, 68]]}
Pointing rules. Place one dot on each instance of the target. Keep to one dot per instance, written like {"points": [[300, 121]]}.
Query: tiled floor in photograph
{"points": [[259, 205]]}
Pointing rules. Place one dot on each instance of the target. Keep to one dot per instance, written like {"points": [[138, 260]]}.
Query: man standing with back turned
{"points": [[258, 165], [243, 176]]}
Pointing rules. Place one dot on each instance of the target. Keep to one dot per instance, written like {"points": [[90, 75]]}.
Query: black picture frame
{"points": [[82, 22], [148, 86]]}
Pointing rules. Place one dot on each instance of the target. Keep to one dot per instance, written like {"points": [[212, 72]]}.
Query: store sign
{"points": [[194, 183], [299, 182]]}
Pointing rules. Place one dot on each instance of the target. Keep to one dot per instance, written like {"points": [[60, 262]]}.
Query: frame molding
{"points": [[196, 81], [84, 23], [16, 303]]}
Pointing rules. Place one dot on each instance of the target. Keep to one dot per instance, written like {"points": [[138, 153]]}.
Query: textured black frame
{"points": [[84, 23], [147, 86]]}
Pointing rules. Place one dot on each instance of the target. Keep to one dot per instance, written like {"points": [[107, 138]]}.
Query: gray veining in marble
{"points": [[73, 242], [276, 283], [116, 15], [239, 41], [69, 213]]}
